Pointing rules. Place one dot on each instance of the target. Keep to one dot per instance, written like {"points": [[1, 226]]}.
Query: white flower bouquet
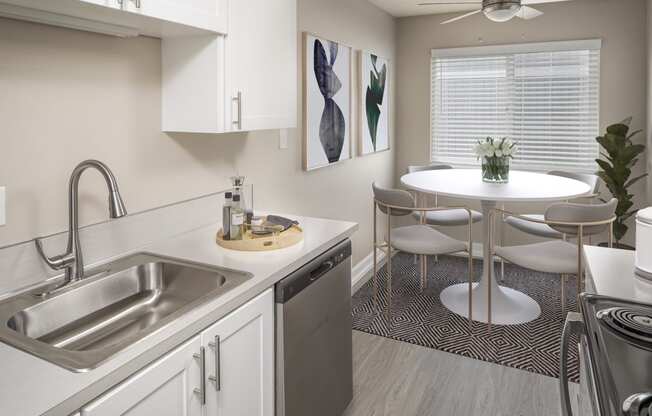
{"points": [[495, 155]]}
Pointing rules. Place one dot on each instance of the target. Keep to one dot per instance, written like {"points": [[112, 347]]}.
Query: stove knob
{"points": [[638, 405]]}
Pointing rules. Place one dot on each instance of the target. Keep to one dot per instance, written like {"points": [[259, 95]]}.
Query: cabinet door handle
{"points": [[137, 3], [217, 378], [238, 99], [201, 391]]}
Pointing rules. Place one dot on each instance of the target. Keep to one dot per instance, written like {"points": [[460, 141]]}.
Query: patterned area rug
{"points": [[420, 318]]}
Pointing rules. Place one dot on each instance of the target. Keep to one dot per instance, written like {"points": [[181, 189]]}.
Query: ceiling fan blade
{"points": [[528, 13], [430, 3], [455, 19], [528, 2]]}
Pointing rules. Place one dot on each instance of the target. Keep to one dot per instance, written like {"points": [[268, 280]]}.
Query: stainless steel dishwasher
{"points": [[314, 370]]}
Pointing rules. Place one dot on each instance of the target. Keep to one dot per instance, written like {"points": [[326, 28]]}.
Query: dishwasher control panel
{"points": [[312, 271]]}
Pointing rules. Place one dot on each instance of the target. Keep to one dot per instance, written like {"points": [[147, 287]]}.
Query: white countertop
{"points": [[611, 273], [30, 386]]}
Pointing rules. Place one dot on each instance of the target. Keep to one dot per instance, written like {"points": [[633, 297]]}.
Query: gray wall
{"points": [[623, 68], [68, 96]]}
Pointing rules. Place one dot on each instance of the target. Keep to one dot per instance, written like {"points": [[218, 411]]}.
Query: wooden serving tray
{"points": [[252, 242]]}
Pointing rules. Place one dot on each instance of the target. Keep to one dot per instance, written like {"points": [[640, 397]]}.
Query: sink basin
{"points": [[116, 305]]}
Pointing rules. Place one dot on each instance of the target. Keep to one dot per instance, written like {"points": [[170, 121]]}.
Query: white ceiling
{"points": [[401, 8]]}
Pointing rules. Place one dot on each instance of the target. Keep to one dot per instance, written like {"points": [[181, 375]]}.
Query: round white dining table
{"points": [[508, 306]]}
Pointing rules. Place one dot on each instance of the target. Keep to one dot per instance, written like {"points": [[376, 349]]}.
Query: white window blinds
{"points": [[543, 96]]}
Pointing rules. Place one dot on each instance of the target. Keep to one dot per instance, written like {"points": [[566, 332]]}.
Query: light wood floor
{"points": [[396, 378]]}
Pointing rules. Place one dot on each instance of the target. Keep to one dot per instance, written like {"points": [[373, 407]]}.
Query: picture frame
{"points": [[374, 103], [327, 102]]}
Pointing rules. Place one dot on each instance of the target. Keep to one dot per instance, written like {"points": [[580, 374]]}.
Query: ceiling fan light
{"points": [[502, 12]]}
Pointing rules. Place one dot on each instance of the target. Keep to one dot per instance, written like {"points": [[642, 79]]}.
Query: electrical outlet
{"points": [[283, 139], [3, 216]]}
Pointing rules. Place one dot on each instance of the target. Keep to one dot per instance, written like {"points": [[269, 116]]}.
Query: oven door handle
{"points": [[573, 325]]}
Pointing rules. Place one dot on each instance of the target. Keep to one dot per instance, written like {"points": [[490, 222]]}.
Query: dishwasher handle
{"points": [[573, 324], [324, 268], [311, 272]]}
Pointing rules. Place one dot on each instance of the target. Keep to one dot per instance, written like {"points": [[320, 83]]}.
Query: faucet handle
{"points": [[56, 262]]}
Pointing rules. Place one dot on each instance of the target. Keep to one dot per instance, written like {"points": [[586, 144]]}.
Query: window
{"points": [[544, 96]]}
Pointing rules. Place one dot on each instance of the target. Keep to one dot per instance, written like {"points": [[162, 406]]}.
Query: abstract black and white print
{"points": [[327, 100]]}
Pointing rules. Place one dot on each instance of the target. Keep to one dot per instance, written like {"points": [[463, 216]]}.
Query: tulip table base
{"points": [[508, 306]]}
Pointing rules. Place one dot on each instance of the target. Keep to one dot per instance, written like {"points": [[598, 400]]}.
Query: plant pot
{"points": [[620, 246], [495, 169]]}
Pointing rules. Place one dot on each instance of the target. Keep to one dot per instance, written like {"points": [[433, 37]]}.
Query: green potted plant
{"points": [[619, 156]]}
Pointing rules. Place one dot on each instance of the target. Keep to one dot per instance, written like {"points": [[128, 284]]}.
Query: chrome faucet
{"points": [[72, 260]]}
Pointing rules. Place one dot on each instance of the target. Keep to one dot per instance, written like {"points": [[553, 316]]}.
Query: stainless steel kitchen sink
{"points": [[116, 305]]}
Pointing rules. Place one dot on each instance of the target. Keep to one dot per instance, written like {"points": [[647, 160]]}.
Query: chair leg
{"points": [[425, 271], [563, 295], [580, 268], [421, 261], [389, 268], [489, 298], [470, 290]]}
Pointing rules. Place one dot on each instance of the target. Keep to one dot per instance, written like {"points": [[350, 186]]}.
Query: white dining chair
{"points": [[560, 256], [419, 239], [448, 218], [540, 229]]}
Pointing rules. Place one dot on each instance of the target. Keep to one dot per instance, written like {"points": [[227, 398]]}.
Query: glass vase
{"points": [[495, 169]]}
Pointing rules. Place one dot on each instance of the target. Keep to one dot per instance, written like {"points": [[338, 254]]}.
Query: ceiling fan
{"points": [[497, 10]]}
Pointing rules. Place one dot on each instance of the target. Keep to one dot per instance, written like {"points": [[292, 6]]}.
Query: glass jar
{"points": [[495, 169]]}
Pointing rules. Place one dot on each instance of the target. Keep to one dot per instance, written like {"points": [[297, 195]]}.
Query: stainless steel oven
{"points": [[615, 344]]}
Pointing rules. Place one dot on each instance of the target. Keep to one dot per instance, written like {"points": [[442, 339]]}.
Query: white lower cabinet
{"points": [[236, 358], [165, 388], [240, 361]]}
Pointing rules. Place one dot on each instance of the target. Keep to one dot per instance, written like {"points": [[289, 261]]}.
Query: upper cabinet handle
{"points": [[238, 99]]}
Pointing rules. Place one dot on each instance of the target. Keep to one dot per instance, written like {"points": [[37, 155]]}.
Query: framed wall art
{"points": [[374, 104], [326, 102]]}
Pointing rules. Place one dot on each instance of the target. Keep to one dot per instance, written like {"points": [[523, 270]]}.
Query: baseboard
{"points": [[363, 271]]}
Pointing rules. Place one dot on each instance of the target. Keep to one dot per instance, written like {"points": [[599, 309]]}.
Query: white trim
{"points": [[363, 271], [571, 45]]}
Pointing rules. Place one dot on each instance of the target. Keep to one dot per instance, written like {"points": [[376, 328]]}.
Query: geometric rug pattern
{"points": [[420, 318]]}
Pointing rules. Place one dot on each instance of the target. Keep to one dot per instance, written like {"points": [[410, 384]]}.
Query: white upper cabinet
{"points": [[159, 18], [261, 70], [227, 65], [244, 81], [203, 14]]}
